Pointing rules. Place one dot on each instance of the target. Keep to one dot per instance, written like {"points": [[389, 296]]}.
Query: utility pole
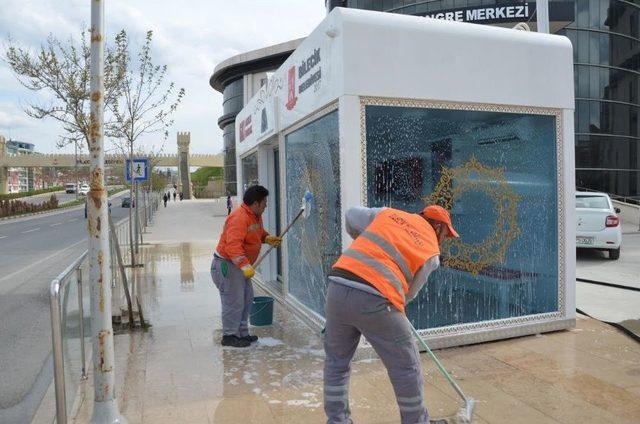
{"points": [[105, 407], [542, 15], [75, 143]]}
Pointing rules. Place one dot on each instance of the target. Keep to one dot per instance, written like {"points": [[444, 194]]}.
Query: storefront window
{"points": [[496, 173], [249, 171], [313, 244]]}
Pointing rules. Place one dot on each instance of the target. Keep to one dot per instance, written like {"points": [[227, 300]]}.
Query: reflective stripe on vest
{"points": [[379, 267], [390, 250]]}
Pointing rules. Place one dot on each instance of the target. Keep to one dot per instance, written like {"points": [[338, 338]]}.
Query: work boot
{"points": [[250, 338], [234, 341]]}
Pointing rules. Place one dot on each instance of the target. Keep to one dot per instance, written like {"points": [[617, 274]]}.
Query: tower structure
{"points": [[184, 176]]}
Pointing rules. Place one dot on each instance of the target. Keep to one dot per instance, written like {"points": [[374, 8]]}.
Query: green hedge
{"points": [[18, 207], [202, 176], [30, 193]]}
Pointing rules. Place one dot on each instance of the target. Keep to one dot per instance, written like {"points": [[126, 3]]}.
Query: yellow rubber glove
{"points": [[273, 241], [248, 271]]}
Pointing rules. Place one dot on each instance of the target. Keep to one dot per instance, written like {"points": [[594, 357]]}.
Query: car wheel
{"points": [[614, 253]]}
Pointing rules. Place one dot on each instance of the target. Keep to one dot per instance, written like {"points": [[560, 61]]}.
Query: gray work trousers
{"points": [[350, 313], [236, 296]]}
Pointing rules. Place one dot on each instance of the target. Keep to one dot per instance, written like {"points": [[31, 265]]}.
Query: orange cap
{"points": [[438, 213]]}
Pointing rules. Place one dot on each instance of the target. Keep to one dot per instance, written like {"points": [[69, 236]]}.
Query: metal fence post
{"points": [[58, 361], [83, 360]]}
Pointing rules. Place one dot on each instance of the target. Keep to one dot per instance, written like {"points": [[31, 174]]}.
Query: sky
{"points": [[190, 36]]}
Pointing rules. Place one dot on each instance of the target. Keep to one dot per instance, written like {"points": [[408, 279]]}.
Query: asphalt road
{"points": [[33, 251]]}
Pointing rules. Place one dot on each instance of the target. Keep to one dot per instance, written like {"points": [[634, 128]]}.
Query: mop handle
{"points": [[264, 255], [437, 362]]}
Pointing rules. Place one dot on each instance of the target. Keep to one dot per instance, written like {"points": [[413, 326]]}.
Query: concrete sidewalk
{"points": [[178, 372]]}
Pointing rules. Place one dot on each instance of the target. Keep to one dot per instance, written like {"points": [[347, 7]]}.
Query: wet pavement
{"points": [[178, 372]]}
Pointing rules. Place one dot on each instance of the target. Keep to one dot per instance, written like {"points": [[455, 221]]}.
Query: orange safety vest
{"points": [[390, 251]]}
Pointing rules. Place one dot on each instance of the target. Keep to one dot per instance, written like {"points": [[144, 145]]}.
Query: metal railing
{"points": [[69, 357], [61, 286]]}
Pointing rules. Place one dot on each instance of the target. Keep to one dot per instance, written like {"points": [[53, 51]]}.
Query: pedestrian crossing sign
{"points": [[138, 168]]}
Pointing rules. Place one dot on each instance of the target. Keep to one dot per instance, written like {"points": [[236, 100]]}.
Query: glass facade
{"points": [[231, 104], [313, 163], [606, 39], [249, 171], [488, 169]]}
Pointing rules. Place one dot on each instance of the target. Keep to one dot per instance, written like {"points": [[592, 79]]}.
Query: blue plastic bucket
{"points": [[261, 311]]}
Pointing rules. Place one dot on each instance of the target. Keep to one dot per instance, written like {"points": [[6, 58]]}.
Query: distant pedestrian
{"points": [[174, 195], [181, 196], [165, 198], [229, 205]]}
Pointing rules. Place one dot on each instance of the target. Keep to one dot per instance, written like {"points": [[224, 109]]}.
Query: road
{"points": [[33, 251], [608, 303]]}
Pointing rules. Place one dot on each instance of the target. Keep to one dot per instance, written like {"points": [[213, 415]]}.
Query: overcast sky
{"points": [[190, 37]]}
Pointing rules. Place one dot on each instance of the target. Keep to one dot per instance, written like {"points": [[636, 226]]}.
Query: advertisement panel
{"points": [[307, 81]]}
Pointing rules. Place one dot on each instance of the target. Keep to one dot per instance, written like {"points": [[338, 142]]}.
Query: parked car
{"points": [[128, 203], [70, 188], [597, 223], [84, 189]]}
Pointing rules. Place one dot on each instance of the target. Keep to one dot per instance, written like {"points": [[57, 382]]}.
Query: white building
{"points": [[20, 179], [381, 109]]}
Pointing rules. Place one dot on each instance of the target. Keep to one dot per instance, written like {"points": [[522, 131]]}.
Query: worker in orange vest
{"points": [[232, 270], [382, 270]]}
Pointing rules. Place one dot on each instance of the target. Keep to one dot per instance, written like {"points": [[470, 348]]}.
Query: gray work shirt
{"points": [[359, 218]]}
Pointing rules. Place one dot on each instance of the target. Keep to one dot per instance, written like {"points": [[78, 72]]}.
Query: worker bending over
{"points": [[384, 268], [232, 269]]}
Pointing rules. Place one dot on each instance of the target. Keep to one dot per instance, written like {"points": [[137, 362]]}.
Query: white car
{"points": [[597, 225], [84, 189]]}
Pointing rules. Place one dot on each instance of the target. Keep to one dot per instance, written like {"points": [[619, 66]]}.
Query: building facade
{"points": [[606, 53], [20, 179], [238, 79]]}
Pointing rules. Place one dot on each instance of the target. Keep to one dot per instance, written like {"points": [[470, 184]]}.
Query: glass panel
{"points": [[232, 97], [592, 202], [276, 166], [593, 151], [249, 171], [229, 141], [606, 84], [70, 320], [488, 169], [623, 183], [313, 163]]}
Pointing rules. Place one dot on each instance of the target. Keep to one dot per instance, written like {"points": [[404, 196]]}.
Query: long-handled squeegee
{"points": [[305, 211], [465, 413]]}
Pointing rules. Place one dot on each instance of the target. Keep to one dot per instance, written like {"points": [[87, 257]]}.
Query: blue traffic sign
{"points": [[140, 169]]}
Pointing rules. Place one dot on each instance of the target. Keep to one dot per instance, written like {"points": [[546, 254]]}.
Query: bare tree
{"points": [[62, 70], [145, 106]]}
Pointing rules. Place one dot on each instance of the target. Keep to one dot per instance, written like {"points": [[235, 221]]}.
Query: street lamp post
{"points": [[105, 407]]}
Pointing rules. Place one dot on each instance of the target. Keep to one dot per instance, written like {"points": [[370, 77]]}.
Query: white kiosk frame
{"points": [[418, 63]]}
